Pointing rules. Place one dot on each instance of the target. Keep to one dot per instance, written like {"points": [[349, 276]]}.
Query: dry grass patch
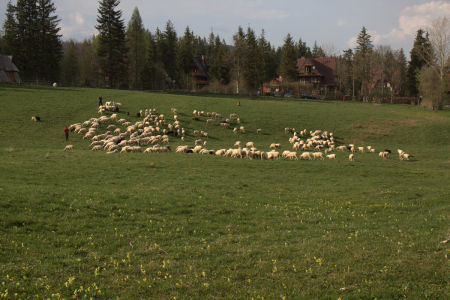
{"points": [[375, 128]]}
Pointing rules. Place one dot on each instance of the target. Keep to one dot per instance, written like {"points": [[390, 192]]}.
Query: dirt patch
{"points": [[375, 128]]}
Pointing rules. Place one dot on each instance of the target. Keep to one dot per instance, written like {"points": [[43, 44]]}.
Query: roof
{"points": [[6, 64], [323, 66], [201, 66]]}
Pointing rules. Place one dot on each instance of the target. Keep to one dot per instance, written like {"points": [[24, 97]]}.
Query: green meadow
{"points": [[85, 224]]}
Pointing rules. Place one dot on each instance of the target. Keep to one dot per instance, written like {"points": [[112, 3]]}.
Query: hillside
{"points": [[165, 225]]}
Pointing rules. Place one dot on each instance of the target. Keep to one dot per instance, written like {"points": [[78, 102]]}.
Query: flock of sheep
{"points": [[154, 130]]}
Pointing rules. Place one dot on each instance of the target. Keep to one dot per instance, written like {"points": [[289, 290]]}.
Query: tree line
{"points": [[131, 56]]}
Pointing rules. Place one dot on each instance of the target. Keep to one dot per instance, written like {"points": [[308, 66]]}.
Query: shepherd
{"points": [[66, 133], [100, 101]]}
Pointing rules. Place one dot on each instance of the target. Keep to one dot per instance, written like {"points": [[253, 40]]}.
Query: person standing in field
{"points": [[100, 101], [66, 133]]}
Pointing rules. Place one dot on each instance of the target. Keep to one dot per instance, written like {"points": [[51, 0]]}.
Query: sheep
{"points": [[242, 129], [96, 148], [209, 121], [68, 148], [237, 144], [258, 131], [235, 130], [234, 116], [317, 155], [331, 156], [383, 154], [55, 84], [204, 134], [220, 152], [351, 157], [274, 146], [361, 149], [404, 156], [250, 144], [36, 118], [275, 154], [292, 155], [238, 120]]}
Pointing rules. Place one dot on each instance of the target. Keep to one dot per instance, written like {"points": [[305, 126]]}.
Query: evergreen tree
{"points": [[267, 60], [184, 57], [136, 49], [302, 49], [239, 56], [251, 61], [69, 65], [10, 28], [421, 53], [401, 65], [169, 56], [363, 61], [219, 69], [49, 41], [288, 63], [111, 49], [88, 63], [317, 51], [31, 36]]}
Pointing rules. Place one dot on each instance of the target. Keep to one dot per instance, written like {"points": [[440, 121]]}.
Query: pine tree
{"points": [[267, 60], [31, 36], [70, 70], [136, 49], [420, 54], [219, 69], [363, 61], [10, 40], [112, 46], [317, 51], [169, 56], [184, 57], [49, 39], [251, 60], [302, 49], [239, 56], [88, 63], [288, 63]]}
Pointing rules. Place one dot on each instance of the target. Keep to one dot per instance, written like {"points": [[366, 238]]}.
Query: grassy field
{"points": [[169, 225]]}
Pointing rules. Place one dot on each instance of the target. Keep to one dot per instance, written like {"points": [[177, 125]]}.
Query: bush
{"points": [[432, 88]]}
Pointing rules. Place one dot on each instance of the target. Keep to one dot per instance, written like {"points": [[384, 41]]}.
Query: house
{"points": [[199, 72], [9, 73], [319, 72], [272, 87]]}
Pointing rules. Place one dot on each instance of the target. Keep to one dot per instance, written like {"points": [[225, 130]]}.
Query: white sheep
{"points": [[258, 131], [242, 129], [331, 156], [351, 157], [237, 144], [68, 148], [306, 155], [250, 144]]}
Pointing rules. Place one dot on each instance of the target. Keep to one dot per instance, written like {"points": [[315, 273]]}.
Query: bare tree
{"points": [[439, 32]]}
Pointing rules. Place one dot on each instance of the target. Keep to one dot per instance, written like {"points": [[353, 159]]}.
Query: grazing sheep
{"points": [[383, 154], [404, 156], [274, 146], [97, 148], [242, 129], [250, 145], [351, 157], [331, 156], [36, 118], [237, 144], [235, 130], [292, 155], [361, 149], [258, 131], [317, 155], [306, 155], [68, 148], [209, 121]]}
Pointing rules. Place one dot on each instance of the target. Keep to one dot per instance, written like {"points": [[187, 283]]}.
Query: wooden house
{"points": [[9, 73]]}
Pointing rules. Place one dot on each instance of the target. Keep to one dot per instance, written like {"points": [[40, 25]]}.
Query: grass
{"points": [[87, 224]]}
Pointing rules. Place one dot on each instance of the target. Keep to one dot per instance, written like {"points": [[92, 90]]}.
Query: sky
{"points": [[333, 24]]}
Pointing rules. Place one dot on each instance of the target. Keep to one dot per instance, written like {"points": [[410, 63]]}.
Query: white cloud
{"points": [[414, 17], [411, 18], [74, 25]]}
